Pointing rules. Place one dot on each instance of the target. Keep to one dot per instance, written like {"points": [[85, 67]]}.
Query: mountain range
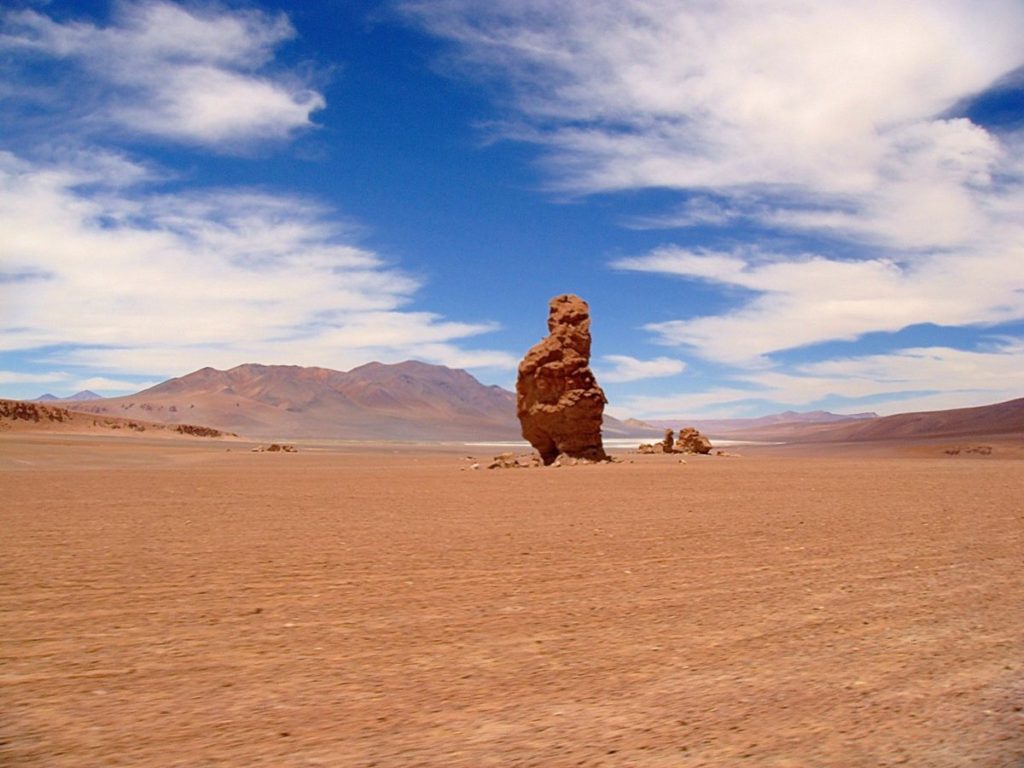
{"points": [[85, 394], [410, 400], [418, 401], [985, 420]]}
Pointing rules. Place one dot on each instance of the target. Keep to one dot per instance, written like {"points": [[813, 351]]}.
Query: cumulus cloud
{"points": [[179, 73], [624, 368], [138, 281]]}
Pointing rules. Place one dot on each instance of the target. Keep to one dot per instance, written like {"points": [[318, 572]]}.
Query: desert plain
{"points": [[187, 602]]}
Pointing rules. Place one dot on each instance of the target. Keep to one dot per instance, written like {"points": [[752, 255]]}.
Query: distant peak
{"points": [[85, 394]]}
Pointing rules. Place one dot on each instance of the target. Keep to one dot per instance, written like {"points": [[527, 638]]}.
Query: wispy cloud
{"points": [[19, 377], [825, 122], [623, 368], [912, 379], [108, 385], [798, 301], [711, 95], [141, 281], [199, 76]]}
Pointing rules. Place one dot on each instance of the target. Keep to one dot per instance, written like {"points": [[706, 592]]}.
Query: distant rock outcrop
{"points": [[691, 441], [688, 441], [17, 410], [558, 401], [666, 444], [19, 414]]}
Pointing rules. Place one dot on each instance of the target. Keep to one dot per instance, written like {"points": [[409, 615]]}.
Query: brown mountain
{"points": [[998, 419], [410, 400]]}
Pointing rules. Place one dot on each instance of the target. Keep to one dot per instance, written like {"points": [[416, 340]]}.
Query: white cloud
{"points": [[913, 379], [101, 384], [711, 95], [179, 73], [625, 368], [19, 377], [813, 299], [819, 116], [142, 283]]}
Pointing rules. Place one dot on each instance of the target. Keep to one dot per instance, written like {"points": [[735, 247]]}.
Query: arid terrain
{"points": [[185, 602]]}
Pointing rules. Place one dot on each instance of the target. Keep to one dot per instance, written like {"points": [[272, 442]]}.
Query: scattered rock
{"points": [[645, 448], [980, 450], [558, 400], [192, 429], [511, 461], [275, 448]]}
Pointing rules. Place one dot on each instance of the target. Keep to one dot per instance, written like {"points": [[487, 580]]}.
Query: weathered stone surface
{"points": [[667, 442], [558, 401], [692, 441], [645, 448]]}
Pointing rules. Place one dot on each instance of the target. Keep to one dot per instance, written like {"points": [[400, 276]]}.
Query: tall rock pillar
{"points": [[559, 404]]}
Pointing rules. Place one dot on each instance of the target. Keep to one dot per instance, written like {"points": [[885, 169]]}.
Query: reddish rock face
{"points": [[692, 441], [558, 401], [667, 442]]}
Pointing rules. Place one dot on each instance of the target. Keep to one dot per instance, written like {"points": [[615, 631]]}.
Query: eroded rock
{"points": [[666, 444], [558, 400], [691, 441]]}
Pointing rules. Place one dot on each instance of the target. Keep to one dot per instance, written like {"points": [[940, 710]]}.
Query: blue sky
{"points": [[768, 206]]}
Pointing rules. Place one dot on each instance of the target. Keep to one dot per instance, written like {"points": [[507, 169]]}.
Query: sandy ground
{"points": [[178, 604]]}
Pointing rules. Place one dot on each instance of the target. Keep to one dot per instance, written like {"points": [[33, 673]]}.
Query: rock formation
{"points": [[692, 441], [558, 401], [667, 442]]}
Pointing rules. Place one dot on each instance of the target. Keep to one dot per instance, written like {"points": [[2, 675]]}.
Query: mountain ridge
{"points": [[408, 400], [993, 419], [85, 394]]}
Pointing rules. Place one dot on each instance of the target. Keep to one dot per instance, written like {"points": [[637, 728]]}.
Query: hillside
{"points": [[998, 419], [27, 416]]}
